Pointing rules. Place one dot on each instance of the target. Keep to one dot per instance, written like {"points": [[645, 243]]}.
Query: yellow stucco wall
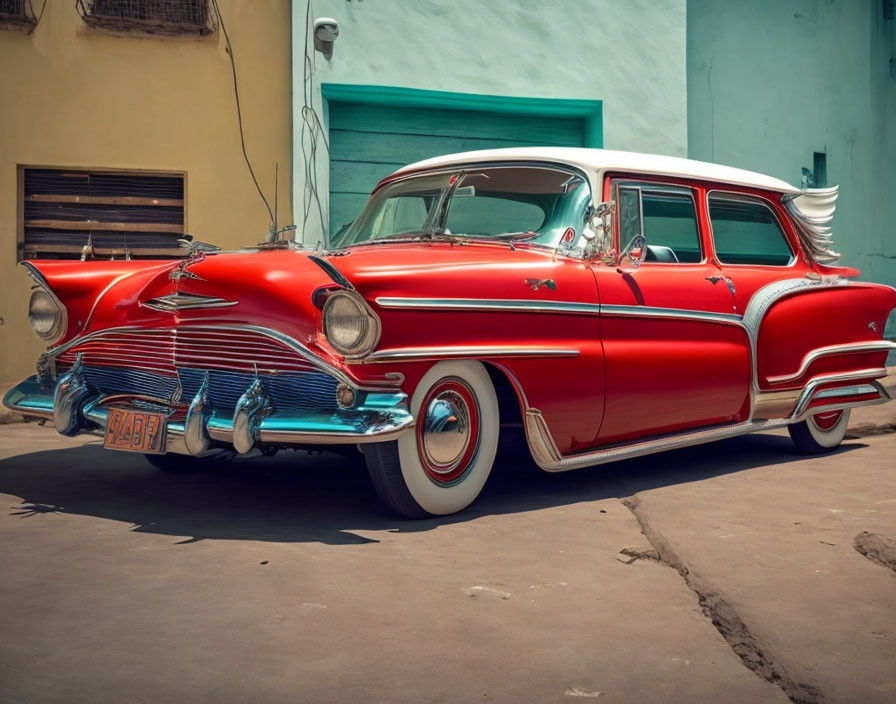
{"points": [[71, 96]]}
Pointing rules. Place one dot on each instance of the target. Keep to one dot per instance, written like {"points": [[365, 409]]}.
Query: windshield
{"points": [[536, 204]]}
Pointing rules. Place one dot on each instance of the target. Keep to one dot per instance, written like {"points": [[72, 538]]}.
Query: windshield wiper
{"points": [[515, 236], [414, 236]]}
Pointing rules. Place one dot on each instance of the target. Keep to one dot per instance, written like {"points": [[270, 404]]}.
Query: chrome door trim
{"points": [[671, 313], [538, 306], [462, 352], [520, 305], [820, 352]]}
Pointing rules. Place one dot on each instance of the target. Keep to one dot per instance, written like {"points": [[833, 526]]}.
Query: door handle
{"points": [[715, 278]]}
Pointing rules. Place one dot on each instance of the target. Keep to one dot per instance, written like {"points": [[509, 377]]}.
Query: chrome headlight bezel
{"points": [[369, 324], [52, 309]]}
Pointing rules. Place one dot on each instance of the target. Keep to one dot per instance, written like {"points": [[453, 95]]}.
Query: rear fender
{"points": [[803, 328]]}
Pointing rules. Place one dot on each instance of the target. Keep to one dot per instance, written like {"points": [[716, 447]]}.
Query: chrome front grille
{"points": [[298, 391], [165, 350], [171, 364]]}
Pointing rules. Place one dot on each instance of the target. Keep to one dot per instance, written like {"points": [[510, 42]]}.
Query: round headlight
{"points": [[45, 315], [348, 325]]}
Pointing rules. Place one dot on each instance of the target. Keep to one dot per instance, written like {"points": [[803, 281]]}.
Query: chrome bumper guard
{"points": [[376, 417]]}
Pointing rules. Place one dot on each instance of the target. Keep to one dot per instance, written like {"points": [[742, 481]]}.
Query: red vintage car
{"points": [[609, 304]]}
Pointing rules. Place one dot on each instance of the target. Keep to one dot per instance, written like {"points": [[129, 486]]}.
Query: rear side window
{"points": [[747, 232], [670, 226]]}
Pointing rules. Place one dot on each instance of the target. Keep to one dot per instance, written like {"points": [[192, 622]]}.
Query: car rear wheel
{"points": [[441, 466], [820, 433]]}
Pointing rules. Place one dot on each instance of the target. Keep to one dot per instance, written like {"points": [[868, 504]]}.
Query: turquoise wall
{"points": [[770, 82], [630, 55]]}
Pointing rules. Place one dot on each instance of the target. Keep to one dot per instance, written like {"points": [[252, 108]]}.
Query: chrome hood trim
{"points": [[183, 301]]}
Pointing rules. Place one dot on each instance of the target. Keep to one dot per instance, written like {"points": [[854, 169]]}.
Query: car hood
{"points": [[274, 288]]}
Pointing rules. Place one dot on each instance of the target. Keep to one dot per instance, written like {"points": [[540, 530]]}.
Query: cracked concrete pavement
{"points": [[284, 579]]}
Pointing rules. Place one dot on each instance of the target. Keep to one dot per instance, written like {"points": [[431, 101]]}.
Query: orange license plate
{"points": [[136, 431]]}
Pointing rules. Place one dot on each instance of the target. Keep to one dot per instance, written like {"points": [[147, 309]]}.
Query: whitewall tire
{"points": [[441, 465], [820, 433]]}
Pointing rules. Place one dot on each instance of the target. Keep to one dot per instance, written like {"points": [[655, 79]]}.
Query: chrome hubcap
{"points": [[448, 433], [446, 430]]}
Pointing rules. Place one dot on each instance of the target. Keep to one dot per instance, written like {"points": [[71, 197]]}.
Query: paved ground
{"points": [[284, 580]]}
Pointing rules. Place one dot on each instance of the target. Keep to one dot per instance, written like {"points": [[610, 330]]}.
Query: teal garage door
{"points": [[368, 142]]}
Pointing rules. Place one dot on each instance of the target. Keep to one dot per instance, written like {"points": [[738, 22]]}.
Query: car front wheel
{"points": [[442, 464], [821, 432]]}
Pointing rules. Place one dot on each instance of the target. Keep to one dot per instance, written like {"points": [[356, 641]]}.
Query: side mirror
{"points": [[598, 231], [631, 226]]}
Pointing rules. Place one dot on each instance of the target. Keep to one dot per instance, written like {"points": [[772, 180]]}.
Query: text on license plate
{"points": [[135, 431]]}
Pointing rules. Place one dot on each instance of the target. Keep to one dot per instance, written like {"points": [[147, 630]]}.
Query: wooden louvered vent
{"points": [[112, 214]]}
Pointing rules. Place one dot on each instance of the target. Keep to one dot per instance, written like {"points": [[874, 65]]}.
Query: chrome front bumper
{"points": [[376, 417]]}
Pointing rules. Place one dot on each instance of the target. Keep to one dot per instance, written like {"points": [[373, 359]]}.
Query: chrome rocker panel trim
{"points": [[548, 457]]}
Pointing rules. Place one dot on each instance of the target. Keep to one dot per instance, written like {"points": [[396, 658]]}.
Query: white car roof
{"points": [[597, 161]]}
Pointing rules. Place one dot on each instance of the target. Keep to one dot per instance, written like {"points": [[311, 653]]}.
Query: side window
{"points": [[669, 221], [746, 231]]}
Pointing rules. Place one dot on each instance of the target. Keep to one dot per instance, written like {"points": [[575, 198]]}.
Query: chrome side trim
{"points": [[420, 353], [538, 306], [520, 305], [671, 313], [548, 457], [820, 352]]}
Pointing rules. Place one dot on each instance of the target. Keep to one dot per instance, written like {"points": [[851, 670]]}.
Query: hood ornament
{"points": [[180, 271]]}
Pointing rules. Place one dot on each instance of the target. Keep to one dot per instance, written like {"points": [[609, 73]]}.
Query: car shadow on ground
{"points": [[297, 497]]}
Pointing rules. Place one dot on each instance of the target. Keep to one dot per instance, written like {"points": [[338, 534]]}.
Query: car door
{"points": [[676, 354]]}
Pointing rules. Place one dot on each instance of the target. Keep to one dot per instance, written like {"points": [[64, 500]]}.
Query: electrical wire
{"points": [[239, 112], [312, 128]]}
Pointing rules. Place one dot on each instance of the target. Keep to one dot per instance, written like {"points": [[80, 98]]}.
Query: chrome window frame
{"points": [[749, 198], [675, 188], [559, 249]]}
